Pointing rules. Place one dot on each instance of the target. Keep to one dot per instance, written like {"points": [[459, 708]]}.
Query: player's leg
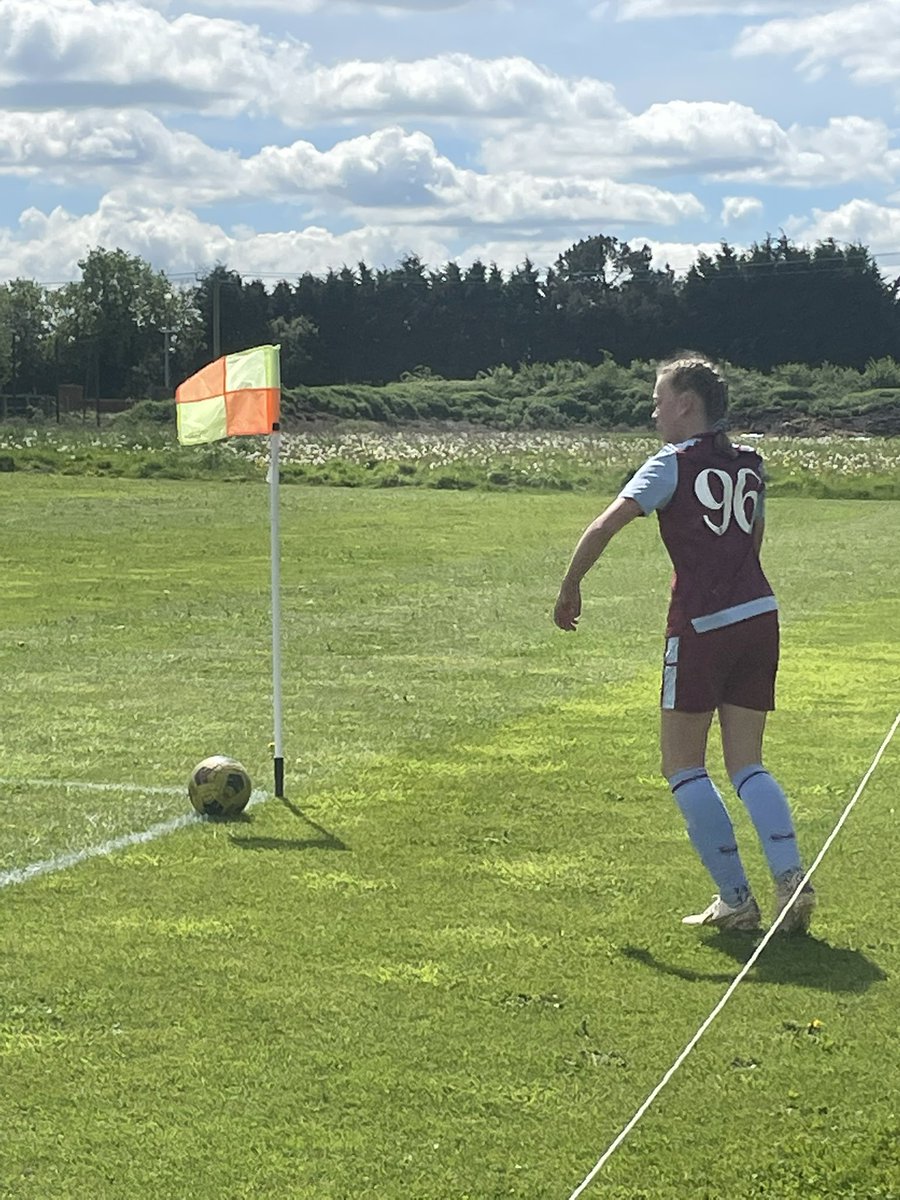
{"points": [[682, 740], [683, 737], [750, 696], [742, 734]]}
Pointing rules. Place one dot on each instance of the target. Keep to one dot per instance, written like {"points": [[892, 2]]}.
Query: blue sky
{"points": [[298, 135]]}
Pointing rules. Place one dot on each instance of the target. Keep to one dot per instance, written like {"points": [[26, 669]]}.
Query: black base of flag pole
{"points": [[279, 778]]}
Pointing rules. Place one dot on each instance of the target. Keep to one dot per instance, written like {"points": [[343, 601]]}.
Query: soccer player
{"points": [[721, 652]]}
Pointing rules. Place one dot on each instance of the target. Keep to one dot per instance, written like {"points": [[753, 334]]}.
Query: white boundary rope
{"points": [[611, 1149], [72, 858]]}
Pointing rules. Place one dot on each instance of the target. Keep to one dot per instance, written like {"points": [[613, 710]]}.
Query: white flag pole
{"points": [[274, 452]]}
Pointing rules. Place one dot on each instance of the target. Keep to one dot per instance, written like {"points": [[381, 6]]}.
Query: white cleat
{"points": [[797, 920], [745, 917]]}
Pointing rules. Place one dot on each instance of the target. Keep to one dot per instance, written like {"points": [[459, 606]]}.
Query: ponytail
{"points": [[722, 443], [698, 374]]}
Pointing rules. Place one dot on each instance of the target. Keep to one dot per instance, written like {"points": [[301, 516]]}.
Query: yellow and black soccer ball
{"points": [[219, 787]]}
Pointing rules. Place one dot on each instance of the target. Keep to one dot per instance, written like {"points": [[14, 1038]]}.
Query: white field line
{"points": [[62, 862], [729, 992]]}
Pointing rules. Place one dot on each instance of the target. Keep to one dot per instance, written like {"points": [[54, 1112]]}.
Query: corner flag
{"points": [[240, 395]]}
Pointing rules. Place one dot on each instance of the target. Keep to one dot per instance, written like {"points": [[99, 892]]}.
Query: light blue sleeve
{"points": [[759, 513], [653, 485]]}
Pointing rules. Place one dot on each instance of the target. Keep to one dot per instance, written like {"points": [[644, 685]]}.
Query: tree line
{"points": [[126, 330]]}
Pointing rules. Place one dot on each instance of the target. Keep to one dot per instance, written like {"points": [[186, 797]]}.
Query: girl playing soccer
{"points": [[721, 637]]}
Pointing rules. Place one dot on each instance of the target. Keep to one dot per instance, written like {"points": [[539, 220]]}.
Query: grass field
{"points": [[450, 965]]}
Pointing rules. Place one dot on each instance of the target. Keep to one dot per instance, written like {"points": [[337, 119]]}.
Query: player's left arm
{"points": [[590, 546], [759, 512], [759, 526]]}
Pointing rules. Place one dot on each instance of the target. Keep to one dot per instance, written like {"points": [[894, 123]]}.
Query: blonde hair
{"points": [[696, 373]]}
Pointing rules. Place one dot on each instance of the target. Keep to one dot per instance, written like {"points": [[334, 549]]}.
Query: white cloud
{"points": [[99, 147], [863, 39], [249, 7], [680, 256], [447, 86], [736, 209], [511, 253], [707, 136], [68, 53], [400, 175], [718, 141], [47, 246], [631, 10], [390, 167], [517, 199], [412, 5], [874, 225], [655, 141], [387, 168], [505, 154], [847, 150], [405, 176], [57, 55], [304, 6]]}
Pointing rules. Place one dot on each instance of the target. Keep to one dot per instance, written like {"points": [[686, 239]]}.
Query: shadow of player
{"points": [[803, 961]]}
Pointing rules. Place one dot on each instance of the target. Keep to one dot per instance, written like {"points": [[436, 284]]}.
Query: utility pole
{"points": [[217, 317], [15, 370], [166, 347]]}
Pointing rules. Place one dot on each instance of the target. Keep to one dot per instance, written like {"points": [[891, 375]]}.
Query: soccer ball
{"points": [[219, 787]]}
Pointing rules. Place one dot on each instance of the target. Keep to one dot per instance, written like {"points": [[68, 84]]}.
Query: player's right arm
{"points": [[590, 546], [651, 487]]}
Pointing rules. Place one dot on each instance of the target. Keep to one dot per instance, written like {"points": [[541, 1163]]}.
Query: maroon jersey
{"points": [[707, 504]]}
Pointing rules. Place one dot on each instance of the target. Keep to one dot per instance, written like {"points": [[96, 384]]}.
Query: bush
{"points": [[571, 394], [794, 395], [875, 398], [799, 375], [145, 412], [881, 373], [539, 415]]}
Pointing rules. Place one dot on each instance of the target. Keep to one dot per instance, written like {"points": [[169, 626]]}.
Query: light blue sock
{"points": [[769, 811], [711, 832]]}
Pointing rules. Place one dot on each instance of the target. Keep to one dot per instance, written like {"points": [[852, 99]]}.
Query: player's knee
{"points": [[736, 764], [743, 771], [672, 764]]}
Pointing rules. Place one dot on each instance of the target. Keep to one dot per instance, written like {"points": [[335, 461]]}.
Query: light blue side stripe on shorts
{"points": [[738, 612], [670, 672]]}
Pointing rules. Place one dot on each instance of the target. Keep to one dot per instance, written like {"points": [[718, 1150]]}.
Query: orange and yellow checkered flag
{"points": [[238, 394]]}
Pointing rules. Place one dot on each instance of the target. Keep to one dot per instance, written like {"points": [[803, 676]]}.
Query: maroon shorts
{"points": [[736, 664]]}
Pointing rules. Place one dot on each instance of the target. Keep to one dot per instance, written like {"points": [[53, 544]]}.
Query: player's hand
{"points": [[568, 607]]}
